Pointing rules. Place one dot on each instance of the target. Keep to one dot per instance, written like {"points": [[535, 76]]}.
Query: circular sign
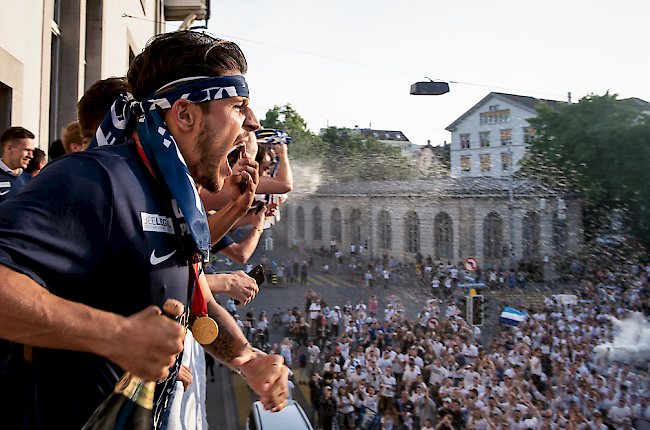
{"points": [[471, 264], [433, 322]]}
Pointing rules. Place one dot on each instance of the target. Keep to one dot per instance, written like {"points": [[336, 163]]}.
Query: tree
{"points": [[600, 148], [341, 154], [304, 144], [352, 156]]}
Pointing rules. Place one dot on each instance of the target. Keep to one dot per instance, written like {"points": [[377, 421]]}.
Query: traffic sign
{"points": [[471, 264], [433, 323]]}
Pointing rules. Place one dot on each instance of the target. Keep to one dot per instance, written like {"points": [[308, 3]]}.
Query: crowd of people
{"points": [[436, 371]]}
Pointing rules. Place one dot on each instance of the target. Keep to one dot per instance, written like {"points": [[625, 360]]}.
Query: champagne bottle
{"points": [[129, 406]]}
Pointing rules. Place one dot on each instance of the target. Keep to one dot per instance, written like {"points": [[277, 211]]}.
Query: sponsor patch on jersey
{"points": [[157, 223]]}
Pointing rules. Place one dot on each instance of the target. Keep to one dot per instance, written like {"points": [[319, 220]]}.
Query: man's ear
{"points": [[183, 115]]}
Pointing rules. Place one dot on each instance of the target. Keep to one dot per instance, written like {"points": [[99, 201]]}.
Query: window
{"points": [[504, 161], [444, 236], [5, 106], [412, 232], [494, 115], [300, 222], [484, 138], [383, 226], [465, 164], [560, 234], [335, 224], [318, 224], [464, 141], [355, 227], [492, 236], [529, 134], [485, 162], [530, 235], [506, 136]]}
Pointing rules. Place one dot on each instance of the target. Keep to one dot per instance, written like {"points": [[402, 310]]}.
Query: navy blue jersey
{"points": [[10, 184], [96, 228], [223, 243]]}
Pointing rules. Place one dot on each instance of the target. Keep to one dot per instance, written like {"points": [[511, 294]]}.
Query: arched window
{"points": [[335, 223], [492, 236], [530, 235], [412, 232], [300, 222], [444, 236], [356, 235], [383, 227], [317, 218], [560, 234]]}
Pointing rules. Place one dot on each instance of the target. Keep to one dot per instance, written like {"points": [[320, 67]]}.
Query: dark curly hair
{"points": [[96, 102], [171, 56]]}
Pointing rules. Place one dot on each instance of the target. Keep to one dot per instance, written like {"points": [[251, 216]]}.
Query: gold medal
{"points": [[205, 330]]}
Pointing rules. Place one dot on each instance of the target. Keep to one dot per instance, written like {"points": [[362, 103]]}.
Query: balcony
{"points": [[179, 10]]}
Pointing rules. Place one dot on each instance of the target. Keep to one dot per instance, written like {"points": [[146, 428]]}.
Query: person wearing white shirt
{"points": [[335, 317], [371, 399], [410, 372], [387, 386], [619, 412], [390, 312], [438, 373], [332, 366], [384, 361], [314, 309], [357, 375]]}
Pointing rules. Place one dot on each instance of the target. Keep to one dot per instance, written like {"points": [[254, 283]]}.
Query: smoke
{"points": [[631, 343]]}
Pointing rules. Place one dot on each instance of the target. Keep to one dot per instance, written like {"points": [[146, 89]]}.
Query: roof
{"points": [[637, 103], [440, 188], [524, 102], [381, 134]]}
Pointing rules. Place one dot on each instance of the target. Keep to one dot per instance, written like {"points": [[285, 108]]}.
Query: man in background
{"points": [[38, 161], [17, 145]]}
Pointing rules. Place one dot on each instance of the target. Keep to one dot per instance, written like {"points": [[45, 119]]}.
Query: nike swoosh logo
{"points": [[4, 192], [157, 260]]}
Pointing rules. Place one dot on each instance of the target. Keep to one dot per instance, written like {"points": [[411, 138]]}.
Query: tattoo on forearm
{"points": [[223, 347]]}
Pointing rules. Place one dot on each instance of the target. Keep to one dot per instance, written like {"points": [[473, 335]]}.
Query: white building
{"points": [[51, 51], [482, 137], [450, 219]]}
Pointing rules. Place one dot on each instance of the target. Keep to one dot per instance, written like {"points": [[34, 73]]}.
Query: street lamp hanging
{"points": [[429, 88]]}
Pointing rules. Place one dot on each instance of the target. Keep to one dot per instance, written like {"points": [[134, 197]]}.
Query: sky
{"points": [[348, 63]]}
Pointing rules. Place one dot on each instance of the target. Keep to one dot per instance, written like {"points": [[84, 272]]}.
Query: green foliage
{"points": [[351, 156], [599, 147], [345, 156], [304, 144]]}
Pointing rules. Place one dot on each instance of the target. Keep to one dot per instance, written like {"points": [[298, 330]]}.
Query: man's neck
{"points": [[4, 166]]}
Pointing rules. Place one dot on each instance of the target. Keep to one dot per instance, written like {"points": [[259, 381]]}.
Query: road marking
{"points": [[242, 397], [314, 281], [327, 280], [306, 392]]}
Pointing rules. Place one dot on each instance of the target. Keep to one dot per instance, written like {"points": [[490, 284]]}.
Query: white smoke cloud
{"points": [[631, 343]]}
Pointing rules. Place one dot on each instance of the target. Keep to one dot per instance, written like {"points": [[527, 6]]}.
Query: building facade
{"points": [[448, 219], [51, 51], [493, 135]]}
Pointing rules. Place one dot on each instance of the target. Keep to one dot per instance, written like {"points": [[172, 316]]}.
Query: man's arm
{"points": [[282, 182], [241, 252], [231, 202], [145, 344], [264, 373], [237, 285]]}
